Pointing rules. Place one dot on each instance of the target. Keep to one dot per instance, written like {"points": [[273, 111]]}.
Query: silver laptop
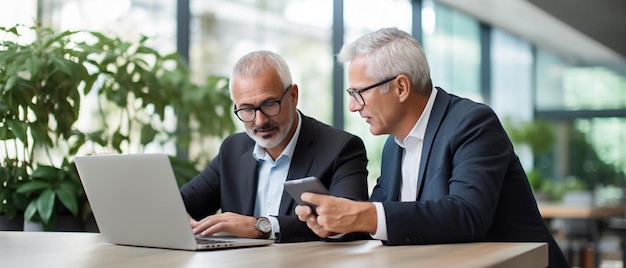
{"points": [[136, 201]]}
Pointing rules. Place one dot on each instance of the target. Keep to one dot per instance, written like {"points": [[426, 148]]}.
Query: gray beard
{"points": [[269, 142]]}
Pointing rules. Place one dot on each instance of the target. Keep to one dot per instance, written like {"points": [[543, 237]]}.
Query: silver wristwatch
{"points": [[264, 226]]}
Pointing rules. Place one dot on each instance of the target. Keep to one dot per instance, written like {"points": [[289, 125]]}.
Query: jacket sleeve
{"points": [[347, 167]]}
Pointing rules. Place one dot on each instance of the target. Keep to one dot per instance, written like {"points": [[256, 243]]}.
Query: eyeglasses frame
{"points": [[259, 107], [353, 91]]}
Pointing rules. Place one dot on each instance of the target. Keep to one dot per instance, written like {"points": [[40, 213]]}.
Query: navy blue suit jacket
{"points": [[471, 185], [230, 181]]}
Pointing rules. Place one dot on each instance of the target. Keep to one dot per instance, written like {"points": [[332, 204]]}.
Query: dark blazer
{"points": [[336, 157], [471, 185]]}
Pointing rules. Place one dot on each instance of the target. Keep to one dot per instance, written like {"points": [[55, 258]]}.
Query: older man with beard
{"points": [[245, 180]]}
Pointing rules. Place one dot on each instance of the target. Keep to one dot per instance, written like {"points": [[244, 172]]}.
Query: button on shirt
{"points": [[411, 158], [272, 176]]}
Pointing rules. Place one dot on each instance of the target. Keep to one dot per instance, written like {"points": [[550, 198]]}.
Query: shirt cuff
{"points": [[381, 228], [275, 227]]}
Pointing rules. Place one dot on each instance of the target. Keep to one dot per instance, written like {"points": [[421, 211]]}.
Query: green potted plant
{"points": [[134, 94], [539, 136], [47, 186]]}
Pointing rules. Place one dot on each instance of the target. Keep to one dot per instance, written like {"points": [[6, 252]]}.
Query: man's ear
{"points": [[294, 93], [403, 88]]}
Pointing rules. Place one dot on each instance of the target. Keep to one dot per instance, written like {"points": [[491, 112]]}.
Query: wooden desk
{"points": [[552, 210], [595, 215], [49, 249]]}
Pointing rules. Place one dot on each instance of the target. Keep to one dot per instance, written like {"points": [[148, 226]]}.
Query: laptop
{"points": [[136, 202]]}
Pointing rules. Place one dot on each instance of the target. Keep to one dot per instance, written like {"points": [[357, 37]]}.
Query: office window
{"points": [[18, 12], [452, 44], [593, 88], [299, 30], [511, 83], [364, 16], [361, 17], [563, 86], [549, 76], [128, 19], [590, 144], [512, 63]]}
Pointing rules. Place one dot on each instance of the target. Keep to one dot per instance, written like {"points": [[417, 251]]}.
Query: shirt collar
{"points": [[419, 129], [259, 153]]}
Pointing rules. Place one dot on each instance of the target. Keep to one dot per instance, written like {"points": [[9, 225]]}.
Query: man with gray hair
{"points": [[245, 179], [448, 173]]}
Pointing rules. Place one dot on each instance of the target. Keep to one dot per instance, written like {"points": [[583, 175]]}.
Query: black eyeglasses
{"points": [[356, 93], [269, 109]]}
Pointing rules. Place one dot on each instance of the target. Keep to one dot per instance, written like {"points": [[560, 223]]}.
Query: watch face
{"points": [[264, 225]]}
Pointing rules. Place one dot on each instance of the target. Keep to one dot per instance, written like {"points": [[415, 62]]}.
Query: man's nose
{"points": [[260, 119], [353, 105]]}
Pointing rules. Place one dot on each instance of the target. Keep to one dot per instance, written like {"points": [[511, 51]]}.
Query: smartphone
{"points": [[309, 184]]}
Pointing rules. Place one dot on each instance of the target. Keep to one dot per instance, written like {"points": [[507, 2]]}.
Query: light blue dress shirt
{"points": [[272, 176]]}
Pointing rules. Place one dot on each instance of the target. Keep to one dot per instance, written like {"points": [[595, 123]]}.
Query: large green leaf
{"points": [[34, 67], [147, 50], [4, 107], [10, 83], [19, 129], [66, 66], [89, 81], [46, 172], [97, 137], [45, 205], [39, 132], [117, 140], [147, 134], [5, 134], [30, 212], [58, 38], [11, 30], [32, 186], [76, 144], [67, 195]]}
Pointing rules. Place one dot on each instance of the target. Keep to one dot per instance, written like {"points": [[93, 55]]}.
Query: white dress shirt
{"points": [[411, 158]]}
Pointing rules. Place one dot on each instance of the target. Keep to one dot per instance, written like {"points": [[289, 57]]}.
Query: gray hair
{"points": [[255, 62], [389, 52]]}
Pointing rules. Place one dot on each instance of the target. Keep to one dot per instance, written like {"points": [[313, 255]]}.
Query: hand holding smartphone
{"points": [[309, 184]]}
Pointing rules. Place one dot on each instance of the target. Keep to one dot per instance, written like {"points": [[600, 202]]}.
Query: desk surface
{"points": [[49, 249], [552, 210]]}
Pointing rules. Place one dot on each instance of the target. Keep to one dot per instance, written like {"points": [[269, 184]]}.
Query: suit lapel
{"points": [[249, 181], [301, 162], [440, 106]]}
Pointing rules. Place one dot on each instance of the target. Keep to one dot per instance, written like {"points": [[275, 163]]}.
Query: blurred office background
{"points": [[554, 71], [541, 66]]}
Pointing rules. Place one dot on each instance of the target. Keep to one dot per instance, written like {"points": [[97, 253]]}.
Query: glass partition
{"points": [[362, 17], [452, 45]]}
